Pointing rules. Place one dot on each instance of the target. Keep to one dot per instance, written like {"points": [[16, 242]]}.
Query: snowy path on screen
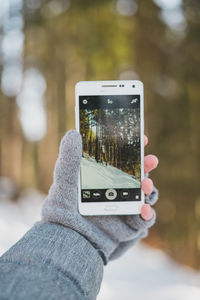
{"points": [[99, 176], [142, 273]]}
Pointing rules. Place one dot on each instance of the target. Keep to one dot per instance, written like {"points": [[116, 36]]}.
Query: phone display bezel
{"points": [[118, 87]]}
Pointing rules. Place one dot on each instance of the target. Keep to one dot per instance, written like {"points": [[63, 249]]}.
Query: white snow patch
{"points": [[17, 217], [147, 273], [99, 176]]}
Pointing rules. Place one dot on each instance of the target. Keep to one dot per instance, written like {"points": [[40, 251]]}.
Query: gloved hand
{"points": [[110, 235]]}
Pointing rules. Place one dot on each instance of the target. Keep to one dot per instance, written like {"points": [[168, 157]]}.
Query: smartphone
{"points": [[110, 118]]}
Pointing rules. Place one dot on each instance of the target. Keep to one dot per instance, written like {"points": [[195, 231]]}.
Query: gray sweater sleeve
{"points": [[51, 262]]}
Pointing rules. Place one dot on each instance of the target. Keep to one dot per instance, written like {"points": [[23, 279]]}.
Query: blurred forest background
{"points": [[46, 46]]}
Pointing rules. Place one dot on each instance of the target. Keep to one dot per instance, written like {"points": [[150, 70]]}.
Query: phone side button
{"points": [[111, 207]]}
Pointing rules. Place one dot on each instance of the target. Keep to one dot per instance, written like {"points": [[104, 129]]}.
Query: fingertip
{"points": [[153, 158], [72, 135], [150, 162], [71, 143], [146, 212], [147, 186], [145, 140], [156, 160], [69, 159], [72, 132]]}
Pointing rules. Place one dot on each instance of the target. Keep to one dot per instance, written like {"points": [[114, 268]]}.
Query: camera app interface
{"points": [[111, 164]]}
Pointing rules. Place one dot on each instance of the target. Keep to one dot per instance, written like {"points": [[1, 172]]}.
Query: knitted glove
{"points": [[110, 235]]}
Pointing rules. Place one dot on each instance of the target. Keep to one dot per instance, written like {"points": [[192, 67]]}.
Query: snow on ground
{"points": [[147, 273], [142, 273], [99, 176], [17, 217]]}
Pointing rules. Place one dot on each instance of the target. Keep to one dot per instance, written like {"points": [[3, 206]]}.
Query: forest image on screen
{"points": [[111, 148]]}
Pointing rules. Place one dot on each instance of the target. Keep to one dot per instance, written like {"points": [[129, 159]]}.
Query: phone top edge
{"points": [[83, 83], [126, 87]]}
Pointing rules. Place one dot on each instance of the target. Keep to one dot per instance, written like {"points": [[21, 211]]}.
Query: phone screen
{"points": [[111, 158]]}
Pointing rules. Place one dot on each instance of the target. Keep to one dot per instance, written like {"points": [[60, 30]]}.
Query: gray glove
{"points": [[110, 235]]}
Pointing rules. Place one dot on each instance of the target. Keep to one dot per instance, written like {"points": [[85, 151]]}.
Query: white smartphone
{"points": [[110, 118]]}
